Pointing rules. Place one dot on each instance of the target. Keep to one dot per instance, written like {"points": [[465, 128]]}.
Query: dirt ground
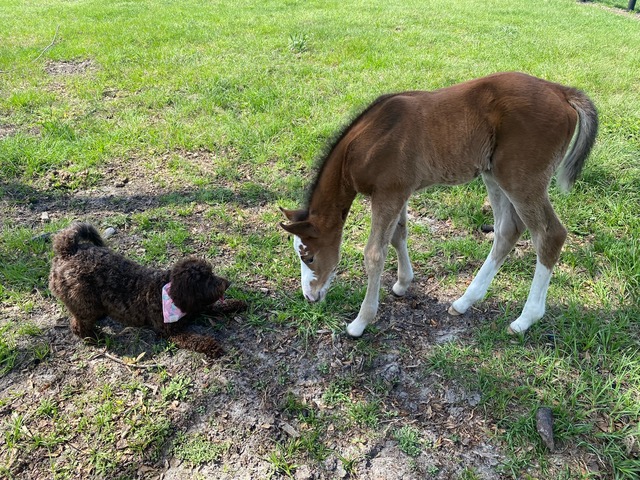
{"points": [[237, 401]]}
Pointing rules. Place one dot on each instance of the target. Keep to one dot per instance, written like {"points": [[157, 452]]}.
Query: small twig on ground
{"points": [[127, 364], [55, 36], [50, 45], [433, 287]]}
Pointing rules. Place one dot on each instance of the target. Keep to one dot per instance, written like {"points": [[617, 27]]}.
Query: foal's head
{"points": [[319, 250]]}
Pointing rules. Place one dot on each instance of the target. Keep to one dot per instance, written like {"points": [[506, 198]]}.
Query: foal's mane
{"points": [[326, 153]]}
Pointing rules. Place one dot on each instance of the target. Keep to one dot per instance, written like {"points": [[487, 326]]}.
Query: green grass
{"points": [[8, 354], [619, 4], [409, 440], [224, 108], [177, 389], [196, 449]]}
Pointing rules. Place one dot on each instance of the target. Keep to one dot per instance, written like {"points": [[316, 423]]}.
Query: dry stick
{"points": [[48, 46], [41, 53], [133, 365]]}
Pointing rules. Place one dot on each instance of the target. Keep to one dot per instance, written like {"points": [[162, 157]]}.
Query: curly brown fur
{"points": [[227, 307], [94, 282]]}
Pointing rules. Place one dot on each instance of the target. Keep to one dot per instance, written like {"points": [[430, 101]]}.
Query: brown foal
{"points": [[512, 129]]}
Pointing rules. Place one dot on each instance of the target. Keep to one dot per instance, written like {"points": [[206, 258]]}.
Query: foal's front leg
{"points": [[383, 224]]}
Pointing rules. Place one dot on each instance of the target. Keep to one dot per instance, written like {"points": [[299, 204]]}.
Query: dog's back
{"points": [[93, 282], [70, 240]]}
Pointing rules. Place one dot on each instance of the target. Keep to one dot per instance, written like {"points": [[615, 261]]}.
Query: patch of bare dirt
{"points": [[7, 130], [69, 67], [124, 186]]}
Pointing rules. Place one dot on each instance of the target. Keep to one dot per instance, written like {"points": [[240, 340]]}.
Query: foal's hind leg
{"points": [[507, 230], [385, 213], [548, 236], [399, 242]]}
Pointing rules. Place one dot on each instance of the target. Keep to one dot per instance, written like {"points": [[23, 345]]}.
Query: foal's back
{"points": [[411, 140]]}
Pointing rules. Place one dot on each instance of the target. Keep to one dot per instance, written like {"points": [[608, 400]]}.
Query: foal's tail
{"points": [[66, 242], [583, 141]]}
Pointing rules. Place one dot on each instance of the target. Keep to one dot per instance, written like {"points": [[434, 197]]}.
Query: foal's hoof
{"points": [[513, 332], [399, 291], [453, 311], [355, 329]]}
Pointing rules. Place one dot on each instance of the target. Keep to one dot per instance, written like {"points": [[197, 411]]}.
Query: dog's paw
{"points": [[92, 337], [227, 306], [198, 343]]}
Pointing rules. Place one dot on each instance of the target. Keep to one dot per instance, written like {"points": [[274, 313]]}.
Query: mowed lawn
{"points": [[217, 112]]}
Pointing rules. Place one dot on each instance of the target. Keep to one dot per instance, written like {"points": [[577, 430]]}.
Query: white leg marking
{"points": [[375, 254], [399, 242], [356, 328], [384, 230], [534, 308], [405, 271], [369, 306], [367, 313], [478, 287]]}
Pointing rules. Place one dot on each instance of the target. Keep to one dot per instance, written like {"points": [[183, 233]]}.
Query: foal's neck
{"points": [[333, 194]]}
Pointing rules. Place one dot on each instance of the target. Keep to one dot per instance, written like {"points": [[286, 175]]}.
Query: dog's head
{"points": [[194, 287]]}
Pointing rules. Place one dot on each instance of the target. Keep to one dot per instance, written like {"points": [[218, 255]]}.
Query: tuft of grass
{"points": [[8, 352], [469, 474], [281, 459], [298, 42], [408, 439], [41, 351], [349, 464], [365, 413], [13, 431], [177, 389], [47, 408], [197, 450]]}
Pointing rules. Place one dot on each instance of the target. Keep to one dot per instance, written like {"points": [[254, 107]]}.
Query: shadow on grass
{"points": [[22, 208], [126, 199]]}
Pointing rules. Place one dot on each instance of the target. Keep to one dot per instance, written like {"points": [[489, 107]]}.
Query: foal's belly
{"points": [[450, 171]]}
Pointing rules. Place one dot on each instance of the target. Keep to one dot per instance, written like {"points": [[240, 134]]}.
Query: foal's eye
{"points": [[308, 260]]}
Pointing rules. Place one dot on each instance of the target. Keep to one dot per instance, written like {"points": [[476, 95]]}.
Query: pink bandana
{"points": [[170, 311]]}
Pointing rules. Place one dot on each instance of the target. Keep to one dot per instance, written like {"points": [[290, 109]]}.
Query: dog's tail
{"points": [[197, 343], [66, 242]]}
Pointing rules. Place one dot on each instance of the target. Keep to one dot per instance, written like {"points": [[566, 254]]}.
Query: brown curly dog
{"points": [[95, 282]]}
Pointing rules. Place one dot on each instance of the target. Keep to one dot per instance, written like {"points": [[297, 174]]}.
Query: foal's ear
{"points": [[295, 215], [303, 229]]}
